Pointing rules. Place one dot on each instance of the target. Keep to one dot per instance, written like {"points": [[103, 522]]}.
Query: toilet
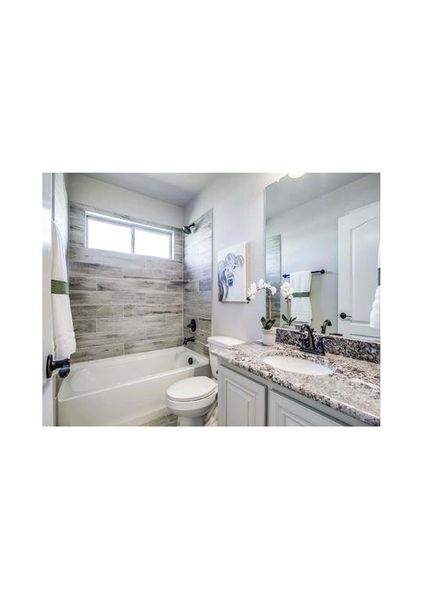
{"points": [[191, 398]]}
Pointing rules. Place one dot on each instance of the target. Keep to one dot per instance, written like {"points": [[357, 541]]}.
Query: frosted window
{"points": [[105, 235], [153, 242]]}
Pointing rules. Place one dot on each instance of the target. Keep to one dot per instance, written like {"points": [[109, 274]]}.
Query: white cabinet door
{"points": [[285, 412], [241, 401], [358, 244]]}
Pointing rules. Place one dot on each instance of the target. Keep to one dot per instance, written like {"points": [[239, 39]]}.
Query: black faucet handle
{"points": [[192, 325], [320, 348]]}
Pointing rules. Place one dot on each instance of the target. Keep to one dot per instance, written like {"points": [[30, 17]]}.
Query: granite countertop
{"points": [[353, 388]]}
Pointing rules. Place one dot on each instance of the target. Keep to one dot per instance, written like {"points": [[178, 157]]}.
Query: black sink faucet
{"points": [[188, 339], [307, 343], [325, 324]]}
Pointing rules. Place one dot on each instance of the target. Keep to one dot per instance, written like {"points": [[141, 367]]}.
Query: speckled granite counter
{"points": [[353, 388]]}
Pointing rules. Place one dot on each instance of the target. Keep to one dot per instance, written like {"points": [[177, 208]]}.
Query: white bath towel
{"points": [[301, 305], [375, 312], [63, 333]]}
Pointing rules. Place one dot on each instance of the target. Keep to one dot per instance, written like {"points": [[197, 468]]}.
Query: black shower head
{"points": [[187, 228]]}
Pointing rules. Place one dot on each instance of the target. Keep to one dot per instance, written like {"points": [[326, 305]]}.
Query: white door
{"points": [[48, 393], [241, 401], [358, 244], [285, 412]]}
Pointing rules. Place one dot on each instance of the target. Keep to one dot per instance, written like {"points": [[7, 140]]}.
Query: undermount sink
{"points": [[297, 365]]}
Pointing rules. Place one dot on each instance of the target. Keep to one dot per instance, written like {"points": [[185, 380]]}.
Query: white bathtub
{"points": [[127, 390]]}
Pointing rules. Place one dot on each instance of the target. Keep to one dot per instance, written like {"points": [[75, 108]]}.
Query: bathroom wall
{"points": [[237, 201], [198, 281], [49, 416], [309, 235], [122, 303], [109, 197], [55, 204]]}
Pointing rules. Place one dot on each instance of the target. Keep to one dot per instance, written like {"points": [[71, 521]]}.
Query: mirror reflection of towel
{"points": [[301, 305]]}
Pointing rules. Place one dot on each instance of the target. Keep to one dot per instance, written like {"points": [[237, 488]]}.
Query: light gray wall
{"points": [[309, 236], [237, 201], [87, 190]]}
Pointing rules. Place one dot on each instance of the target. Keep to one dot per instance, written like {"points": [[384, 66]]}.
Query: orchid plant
{"points": [[270, 290], [287, 293]]}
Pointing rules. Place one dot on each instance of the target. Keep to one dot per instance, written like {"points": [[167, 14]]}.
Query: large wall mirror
{"points": [[322, 239]]}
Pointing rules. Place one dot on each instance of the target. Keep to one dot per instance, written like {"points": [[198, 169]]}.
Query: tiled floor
{"points": [[166, 421], [172, 421]]}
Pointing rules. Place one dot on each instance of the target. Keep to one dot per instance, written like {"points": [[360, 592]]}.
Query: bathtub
{"points": [[127, 390]]}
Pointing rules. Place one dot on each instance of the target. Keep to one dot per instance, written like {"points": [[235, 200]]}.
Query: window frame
{"points": [[132, 225]]}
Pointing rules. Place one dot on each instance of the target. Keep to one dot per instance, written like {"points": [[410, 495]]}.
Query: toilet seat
{"points": [[192, 389], [191, 407]]}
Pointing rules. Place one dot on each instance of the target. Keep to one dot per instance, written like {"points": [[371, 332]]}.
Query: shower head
{"points": [[187, 228]]}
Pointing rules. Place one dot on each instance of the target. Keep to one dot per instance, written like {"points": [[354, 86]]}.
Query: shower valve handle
{"points": [[192, 325]]}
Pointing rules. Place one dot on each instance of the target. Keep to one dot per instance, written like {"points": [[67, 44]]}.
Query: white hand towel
{"points": [[375, 312], [301, 305], [63, 333]]}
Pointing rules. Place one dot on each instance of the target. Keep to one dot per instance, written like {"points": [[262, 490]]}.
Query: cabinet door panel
{"points": [[285, 412], [241, 400]]}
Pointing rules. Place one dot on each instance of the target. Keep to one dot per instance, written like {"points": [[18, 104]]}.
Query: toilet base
{"points": [[190, 421]]}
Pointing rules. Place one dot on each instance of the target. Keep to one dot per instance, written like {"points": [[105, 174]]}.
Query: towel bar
{"points": [[62, 365], [319, 272]]}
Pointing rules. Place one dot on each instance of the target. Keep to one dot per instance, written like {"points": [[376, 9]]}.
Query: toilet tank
{"points": [[220, 341]]}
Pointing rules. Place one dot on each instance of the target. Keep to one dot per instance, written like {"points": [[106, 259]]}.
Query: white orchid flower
{"points": [[260, 285], [252, 290], [287, 291]]}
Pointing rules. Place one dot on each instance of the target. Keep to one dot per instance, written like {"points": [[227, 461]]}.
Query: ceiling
{"points": [[289, 193], [175, 188]]}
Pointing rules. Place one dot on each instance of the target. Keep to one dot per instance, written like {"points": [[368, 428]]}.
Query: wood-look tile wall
{"points": [[198, 254], [273, 274], [122, 303]]}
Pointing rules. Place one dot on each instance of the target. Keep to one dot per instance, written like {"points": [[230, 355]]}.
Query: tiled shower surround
{"points": [[198, 281], [273, 273], [124, 303]]}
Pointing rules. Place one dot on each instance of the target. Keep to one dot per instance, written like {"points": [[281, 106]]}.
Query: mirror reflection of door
{"points": [[358, 249]]}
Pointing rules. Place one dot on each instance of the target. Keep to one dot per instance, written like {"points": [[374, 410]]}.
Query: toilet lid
{"points": [[191, 388]]}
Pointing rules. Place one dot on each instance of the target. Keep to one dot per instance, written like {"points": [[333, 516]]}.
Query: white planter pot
{"points": [[268, 336]]}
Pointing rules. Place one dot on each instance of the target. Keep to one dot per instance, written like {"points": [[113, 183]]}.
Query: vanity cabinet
{"points": [[246, 401], [285, 412], [241, 401]]}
